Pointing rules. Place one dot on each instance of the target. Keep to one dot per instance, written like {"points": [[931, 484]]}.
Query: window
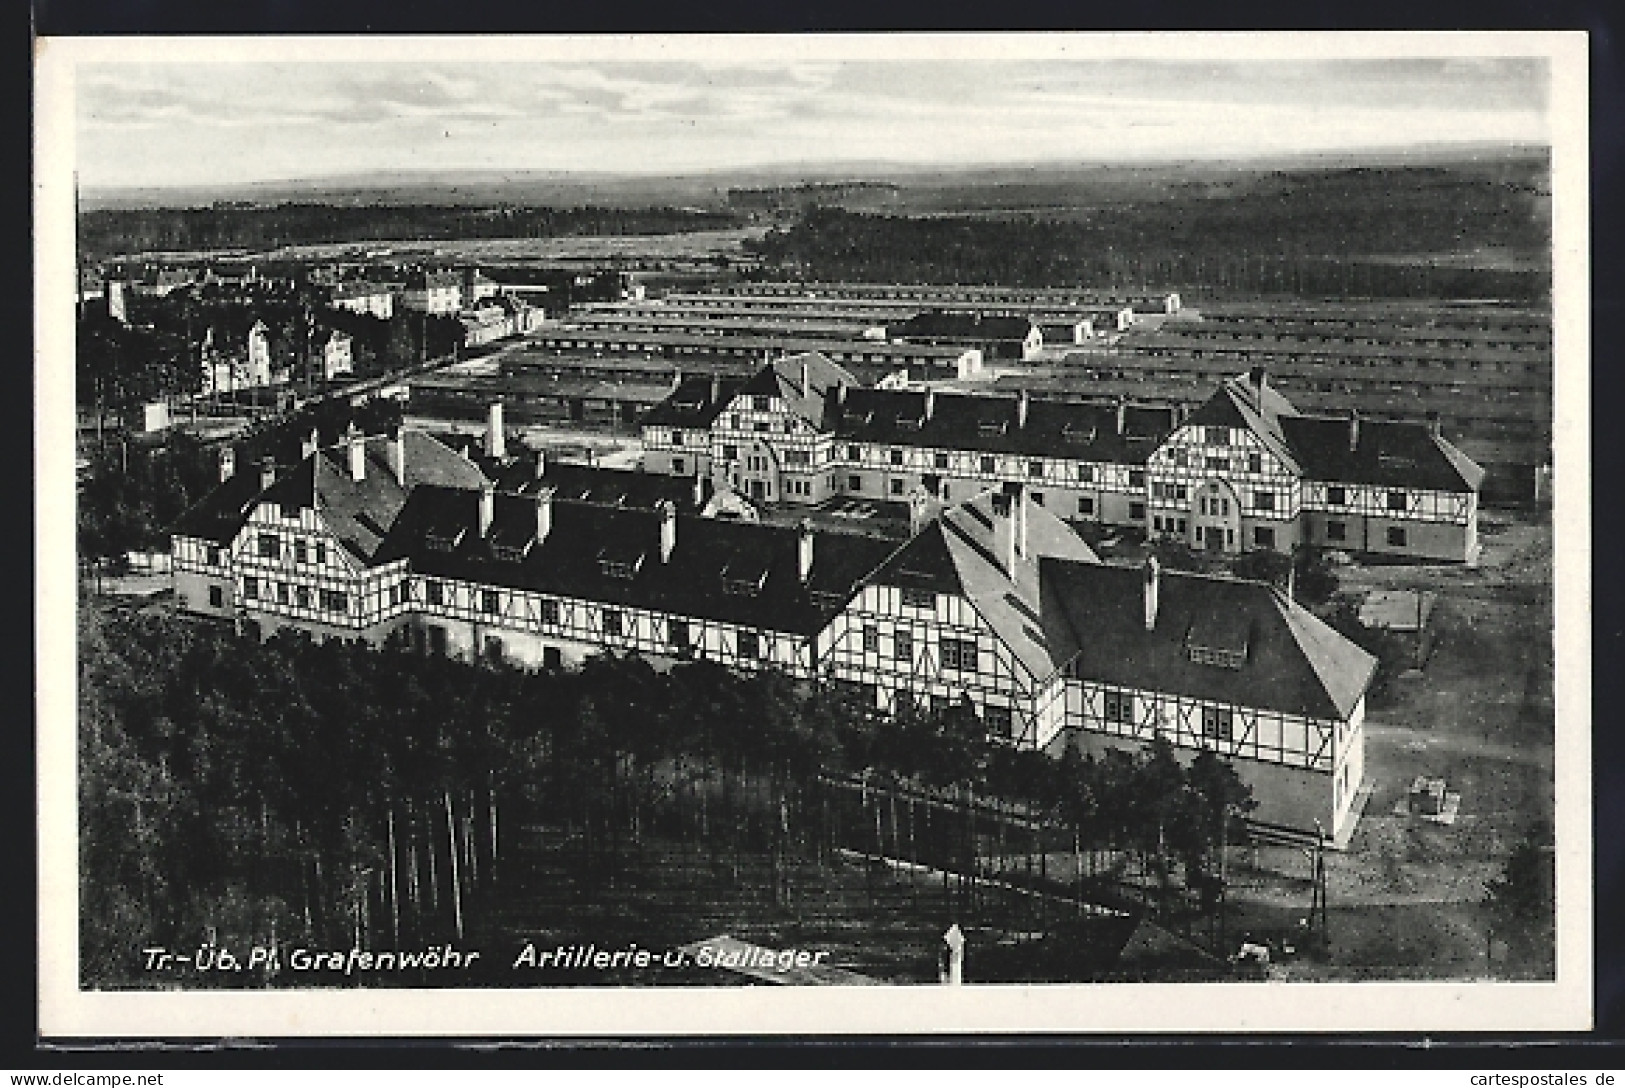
{"points": [[1136, 511], [335, 601], [940, 460], [552, 658], [678, 465], [1086, 473], [854, 483], [903, 646], [251, 588], [1177, 456], [853, 453], [493, 648], [301, 554], [1263, 500], [301, 596], [896, 457], [282, 593], [730, 453], [750, 646], [1264, 537], [959, 653], [677, 633], [214, 557], [677, 438], [1396, 500], [432, 592], [1136, 478], [437, 639], [1086, 506], [1120, 707], [919, 598], [290, 511], [1336, 530], [217, 597], [761, 403], [999, 721], [612, 622], [761, 425], [1396, 536], [321, 554], [1218, 723], [871, 639], [988, 465], [1035, 469], [1218, 464], [270, 547], [1218, 436], [490, 601], [897, 487], [1038, 497], [1336, 496]]}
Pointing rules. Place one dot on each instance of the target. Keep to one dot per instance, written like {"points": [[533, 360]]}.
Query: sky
{"points": [[207, 122]]}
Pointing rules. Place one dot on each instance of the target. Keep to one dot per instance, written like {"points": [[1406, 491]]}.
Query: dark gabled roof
{"points": [[965, 551], [622, 487], [691, 404], [1294, 663], [966, 326], [1239, 403], [1406, 455], [568, 564], [783, 378], [1054, 428], [358, 513], [219, 515]]}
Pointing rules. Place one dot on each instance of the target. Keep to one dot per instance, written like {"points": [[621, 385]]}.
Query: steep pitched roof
{"points": [[691, 405], [1240, 403], [964, 552], [783, 378], [1053, 428], [357, 512], [598, 485], [1292, 662], [708, 557], [1386, 454]]}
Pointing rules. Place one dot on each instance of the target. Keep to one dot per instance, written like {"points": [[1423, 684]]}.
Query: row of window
{"points": [[1218, 723], [270, 547], [957, 653], [330, 600]]}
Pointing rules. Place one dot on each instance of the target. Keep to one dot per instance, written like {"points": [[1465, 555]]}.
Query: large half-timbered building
{"points": [[994, 600], [1245, 471]]}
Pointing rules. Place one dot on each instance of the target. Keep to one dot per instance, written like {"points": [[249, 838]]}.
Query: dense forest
{"points": [[1353, 233], [108, 232], [232, 789]]}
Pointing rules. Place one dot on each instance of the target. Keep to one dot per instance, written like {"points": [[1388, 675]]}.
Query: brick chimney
{"points": [[1354, 430], [716, 389], [488, 507], [310, 443], [806, 384], [840, 395], [356, 447], [804, 550], [397, 455], [267, 472], [228, 463], [1023, 401], [668, 529], [495, 446], [544, 513], [1153, 591], [1257, 379], [541, 463], [930, 404], [1122, 414]]}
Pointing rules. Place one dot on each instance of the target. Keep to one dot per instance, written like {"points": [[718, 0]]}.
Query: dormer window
{"points": [[1082, 435], [908, 423], [744, 577], [510, 552], [622, 569], [444, 539], [991, 427]]}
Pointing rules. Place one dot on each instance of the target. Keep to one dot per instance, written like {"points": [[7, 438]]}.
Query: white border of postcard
{"points": [[1411, 1007]]}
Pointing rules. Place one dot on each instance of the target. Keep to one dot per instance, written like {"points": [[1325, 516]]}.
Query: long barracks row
{"points": [[993, 598]]}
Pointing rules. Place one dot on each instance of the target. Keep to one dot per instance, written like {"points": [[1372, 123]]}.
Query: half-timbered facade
{"points": [[995, 600], [1244, 472]]}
